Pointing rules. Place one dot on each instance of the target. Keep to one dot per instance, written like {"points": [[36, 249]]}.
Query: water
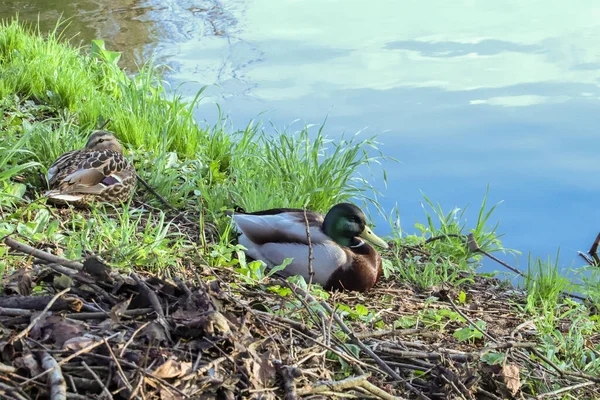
{"points": [[463, 93]]}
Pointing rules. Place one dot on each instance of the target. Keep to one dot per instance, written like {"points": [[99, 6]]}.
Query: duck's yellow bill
{"points": [[369, 236]]}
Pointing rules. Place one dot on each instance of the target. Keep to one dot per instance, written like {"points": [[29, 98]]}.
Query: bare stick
{"points": [[7, 369], [38, 317], [133, 337], [488, 394], [56, 381], [97, 378], [42, 255], [121, 373], [474, 247], [104, 124], [142, 371], [387, 332], [155, 193], [102, 315], [349, 383], [15, 393], [311, 272], [564, 389], [15, 312]]}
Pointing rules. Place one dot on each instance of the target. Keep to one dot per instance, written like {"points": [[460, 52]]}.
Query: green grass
{"points": [[53, 95], [439, 252]]}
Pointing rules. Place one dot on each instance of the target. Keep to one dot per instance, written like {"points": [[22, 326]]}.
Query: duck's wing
{"points": [[63, 164], [283, 227], [94, 174], [326, 258]]}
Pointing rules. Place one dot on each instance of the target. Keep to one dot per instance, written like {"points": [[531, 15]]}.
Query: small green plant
{"points": [[493, 358], [470, 333], [10, 165], [544, 284]]}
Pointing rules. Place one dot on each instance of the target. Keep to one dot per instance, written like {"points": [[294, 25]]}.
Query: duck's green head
{"points": [[345, 222]]}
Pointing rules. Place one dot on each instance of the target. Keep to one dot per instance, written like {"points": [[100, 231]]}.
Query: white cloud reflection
{"points": [[556, 38]]}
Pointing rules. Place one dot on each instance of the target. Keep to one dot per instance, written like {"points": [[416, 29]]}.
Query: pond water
{"points": [[464, 93]]}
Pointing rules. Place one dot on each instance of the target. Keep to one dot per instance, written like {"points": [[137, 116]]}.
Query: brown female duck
{"points": [[341, 259], [98, 172]]}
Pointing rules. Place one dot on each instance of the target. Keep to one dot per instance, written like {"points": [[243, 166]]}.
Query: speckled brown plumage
{"points": [[99, 172]]}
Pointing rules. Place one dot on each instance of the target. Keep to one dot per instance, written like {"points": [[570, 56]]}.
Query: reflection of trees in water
{"points": [[139, 29], [115, 21], [215, 20]]}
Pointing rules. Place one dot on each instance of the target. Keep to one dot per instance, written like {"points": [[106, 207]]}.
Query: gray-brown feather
{"points": [[82, 172]]}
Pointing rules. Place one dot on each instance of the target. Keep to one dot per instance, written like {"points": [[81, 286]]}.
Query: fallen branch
{"points": [[56, 381], [154, 302], [7, 369], [470, 321], [15, 312], [119, 369], [474, 247], [40, 303], [42, 255], [347, 384]]}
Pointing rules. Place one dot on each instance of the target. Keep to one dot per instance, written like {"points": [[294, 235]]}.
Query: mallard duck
{"points": [[98, 172], [341, 259]]}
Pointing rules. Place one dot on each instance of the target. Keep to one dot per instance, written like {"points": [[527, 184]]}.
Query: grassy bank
{"points": [[53, 95]]}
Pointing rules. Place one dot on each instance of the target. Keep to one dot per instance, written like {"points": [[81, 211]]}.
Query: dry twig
{"points": [[348, 384], [311, 272]]}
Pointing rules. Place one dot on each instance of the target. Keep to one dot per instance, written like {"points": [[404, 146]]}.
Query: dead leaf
{"points": [[172, 369], [77, 343], [216, 323], [510, 376], [155, 331], [25, 285], [60, 330], [119, 309], [28, 362]]}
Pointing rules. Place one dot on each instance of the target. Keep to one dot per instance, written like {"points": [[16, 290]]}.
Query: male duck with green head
{"points": [[341, 257]]}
